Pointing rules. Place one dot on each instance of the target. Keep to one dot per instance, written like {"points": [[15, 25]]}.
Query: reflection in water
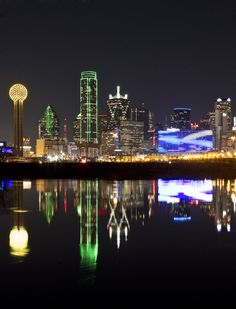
{"points": [[118, 222], [48, 197], [221, 208], [87, 208], [18, 238], [183, 193], [117, 209]]}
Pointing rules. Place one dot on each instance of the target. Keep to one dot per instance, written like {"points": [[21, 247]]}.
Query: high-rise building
{"points": [[117, 109], [49, 124], [89, 108], [131, 137], [144, 115], [76, 128], [221, 121], [223, 116], [181, 118]]}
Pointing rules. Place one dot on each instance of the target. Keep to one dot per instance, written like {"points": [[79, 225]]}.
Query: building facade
{"points": [[117, 109], [49, 124], [131, 137], [89, 108], [181, 118], [87, 120]]}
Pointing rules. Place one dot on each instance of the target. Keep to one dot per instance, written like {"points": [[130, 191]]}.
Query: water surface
{"points": [[167, 240]]}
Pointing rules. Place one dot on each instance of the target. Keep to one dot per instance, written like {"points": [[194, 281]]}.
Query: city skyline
{"points": [[164, 55]]}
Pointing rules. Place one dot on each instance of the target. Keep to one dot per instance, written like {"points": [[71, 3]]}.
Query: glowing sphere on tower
{"points": [[18, 92]]}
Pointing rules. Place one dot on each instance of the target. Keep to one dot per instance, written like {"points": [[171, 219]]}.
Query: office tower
{"points": [[76, 128], [181, 118], [117, 109], [49, 124], [18, 93], [221, 121], [144, 115], [131, 137], [89, 108]]}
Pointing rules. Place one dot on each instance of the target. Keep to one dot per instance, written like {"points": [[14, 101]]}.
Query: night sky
{"points": [[164, 53]]}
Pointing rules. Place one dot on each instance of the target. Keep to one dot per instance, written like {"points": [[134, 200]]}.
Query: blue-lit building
{"points": [[177, 141]]}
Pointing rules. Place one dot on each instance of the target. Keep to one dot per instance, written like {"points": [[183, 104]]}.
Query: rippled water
{"points": [[172, 241]]}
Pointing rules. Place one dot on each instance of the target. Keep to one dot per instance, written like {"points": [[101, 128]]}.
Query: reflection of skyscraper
{"points": [[222, 204], [87, 208], [118, 222], [181, 212], [48, 197], [18, 238]]}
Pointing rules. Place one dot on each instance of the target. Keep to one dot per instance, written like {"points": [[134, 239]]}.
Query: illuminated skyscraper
{"points": [[181, 118], [18, 93], [76, 128], [117, 107], [222, 121], [89, 108], [49, 124]]}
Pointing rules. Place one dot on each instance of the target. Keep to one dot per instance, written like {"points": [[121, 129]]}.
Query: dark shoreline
{"points": [[211, 169]]}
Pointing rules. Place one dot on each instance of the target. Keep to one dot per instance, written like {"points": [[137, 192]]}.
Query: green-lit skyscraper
{"points": [[88, 110], [49, 124]]}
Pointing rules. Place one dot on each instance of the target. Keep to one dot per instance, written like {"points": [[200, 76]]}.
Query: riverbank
{"points": [[223, 168]]}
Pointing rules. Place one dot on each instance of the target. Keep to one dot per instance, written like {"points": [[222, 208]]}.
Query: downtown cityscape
{"points": [[124, 130], [117, 153]]}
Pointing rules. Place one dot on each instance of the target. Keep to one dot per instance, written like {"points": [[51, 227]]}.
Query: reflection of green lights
{"points": [[88, 254], [88, 209], [49, 206]]}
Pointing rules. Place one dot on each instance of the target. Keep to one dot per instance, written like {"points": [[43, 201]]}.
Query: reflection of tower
{"points": [[87, 208], [18, 93], [48, 197], [222, 204], [118, 221], [181, 211], [18, 238]]}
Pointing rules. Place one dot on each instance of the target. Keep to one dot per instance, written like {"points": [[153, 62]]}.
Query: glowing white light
{"points": [[126, 232], [219, 227], [18, 241], [219, 100], [228, 227], [26, 185], [110, 232], [118, 237]]}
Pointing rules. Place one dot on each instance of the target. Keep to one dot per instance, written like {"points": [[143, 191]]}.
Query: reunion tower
{"points": [[18, 93]]}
